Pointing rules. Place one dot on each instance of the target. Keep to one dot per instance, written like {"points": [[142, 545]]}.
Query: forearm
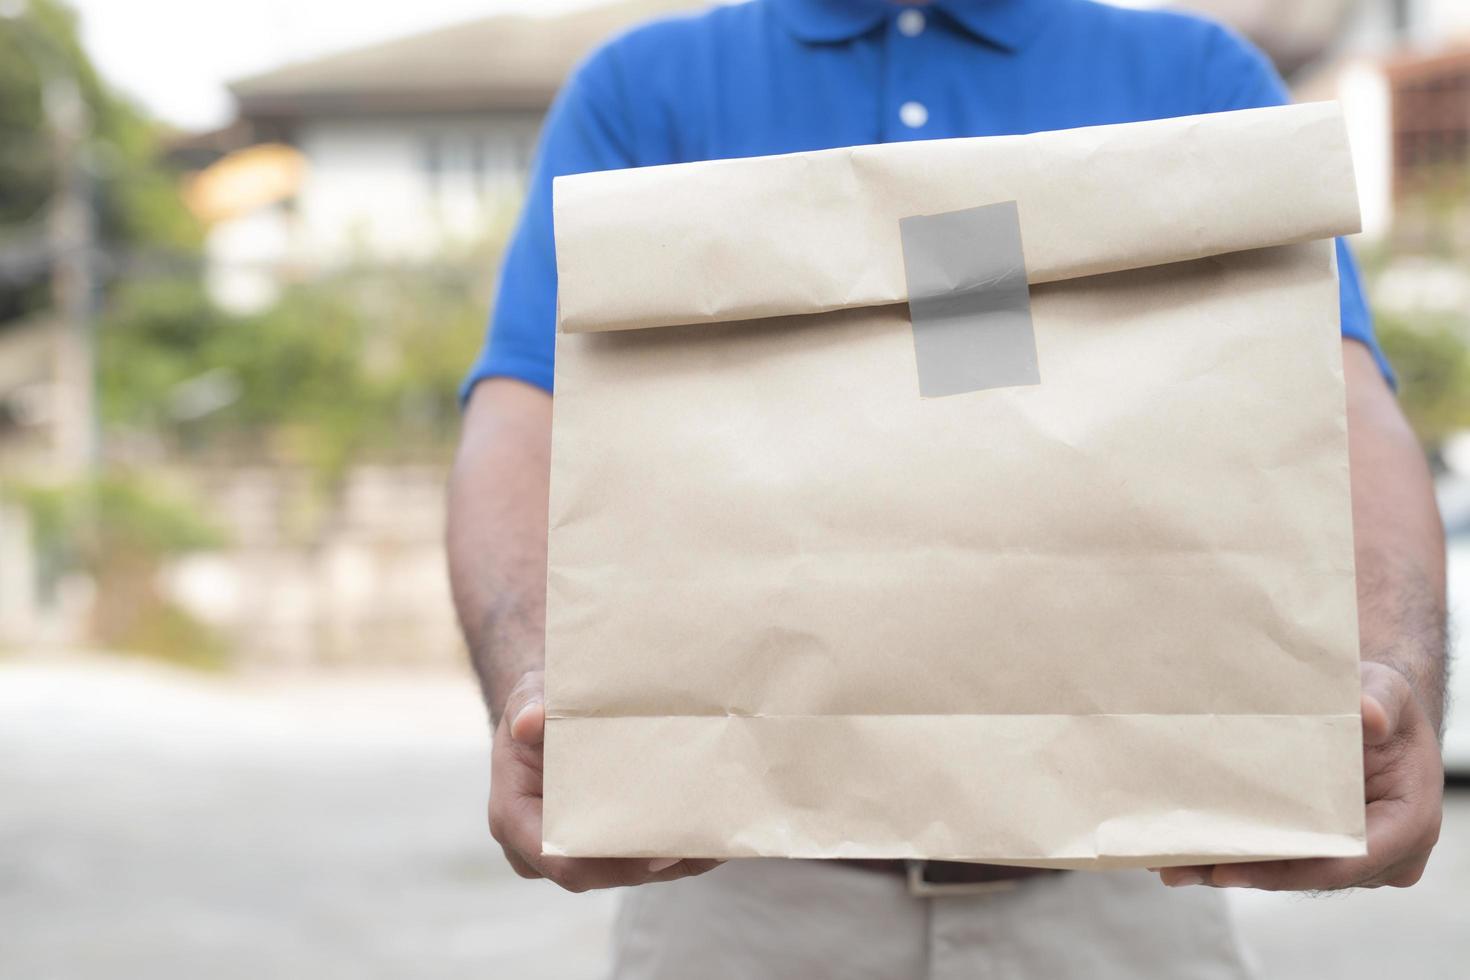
{"points": [[1398, 537], [497, 532]]}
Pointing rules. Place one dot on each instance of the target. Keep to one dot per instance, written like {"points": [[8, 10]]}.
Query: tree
{"points": [[364, 363], [1432, 360], [138, 207]]}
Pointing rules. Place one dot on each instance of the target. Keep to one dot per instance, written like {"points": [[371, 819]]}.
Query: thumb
{"points": [[525, 710], [1385, 697]]}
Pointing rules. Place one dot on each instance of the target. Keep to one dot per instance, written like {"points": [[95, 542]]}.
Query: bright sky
{"points": [[174, 56]]}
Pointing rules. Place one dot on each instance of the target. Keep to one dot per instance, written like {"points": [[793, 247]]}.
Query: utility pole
{"points": [[72, 232]]}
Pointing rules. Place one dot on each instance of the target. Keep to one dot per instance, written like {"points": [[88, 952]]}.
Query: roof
{"points": [[519, 62], [505, 62], [1415, 67]]}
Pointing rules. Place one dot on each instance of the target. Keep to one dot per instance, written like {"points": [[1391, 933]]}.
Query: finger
{"points": [[1304, 875], [525, 709], [1183, 877], [520, 865], [515, 767], [686, 868], [1393, 840], [1385, 696], [515, 807], [519, 832], [615, 872], [515, 801], [583, 874], [529, 724]]}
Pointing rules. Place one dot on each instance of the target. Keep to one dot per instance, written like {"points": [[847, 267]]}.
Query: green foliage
{"points": [[158, 628], [81, 526], [1432, 360], [1430, 351], [366, 364], [154, 336], [41, 41], [119, 529], [138, 206]]}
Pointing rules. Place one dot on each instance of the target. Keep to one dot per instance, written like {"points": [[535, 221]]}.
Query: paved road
{"points": [[162, 825]]}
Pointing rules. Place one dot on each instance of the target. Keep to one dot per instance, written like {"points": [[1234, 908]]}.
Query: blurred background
{"points": [[246, 254]]}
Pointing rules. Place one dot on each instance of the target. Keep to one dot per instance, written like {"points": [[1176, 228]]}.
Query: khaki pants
{"points": [[812, 920]]}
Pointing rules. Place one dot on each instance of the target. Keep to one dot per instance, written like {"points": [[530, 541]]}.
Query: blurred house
{"points": [[1388, 68], [1402, 73], [403, 151], [406, 148], [417, 145]]}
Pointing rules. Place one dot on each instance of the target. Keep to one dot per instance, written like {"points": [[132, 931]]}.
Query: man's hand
{"points": [[515, 807], [1399, 543], [497, 565], [1404, 782]]}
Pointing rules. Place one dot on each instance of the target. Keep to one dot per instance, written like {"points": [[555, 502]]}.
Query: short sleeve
{"points": [[585, 130], [1240, 77]]}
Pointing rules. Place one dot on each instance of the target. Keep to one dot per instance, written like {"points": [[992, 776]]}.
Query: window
{"points": [[433, 164], [1431, 123], [478, 170]]}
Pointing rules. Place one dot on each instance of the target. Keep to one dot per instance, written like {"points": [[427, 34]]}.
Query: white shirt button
{"points": [[913, 114], [911, 23]]}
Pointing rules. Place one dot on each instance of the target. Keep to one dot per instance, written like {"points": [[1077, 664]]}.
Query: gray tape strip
{"points": [[969, 301]]}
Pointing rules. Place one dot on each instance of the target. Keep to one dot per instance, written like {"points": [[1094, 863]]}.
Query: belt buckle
{"points": [[922, 887]]}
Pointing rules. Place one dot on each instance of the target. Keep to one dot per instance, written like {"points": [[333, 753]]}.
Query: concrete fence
{"points": [[353, 578]]}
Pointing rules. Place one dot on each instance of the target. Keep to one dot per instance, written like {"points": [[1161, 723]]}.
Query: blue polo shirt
{"points": [[779, 76]]}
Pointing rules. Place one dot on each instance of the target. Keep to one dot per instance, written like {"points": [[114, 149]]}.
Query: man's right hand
{"points": [[515, 807]]}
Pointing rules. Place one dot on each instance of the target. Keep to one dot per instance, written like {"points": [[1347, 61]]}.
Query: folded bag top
{"points": [[818, 231], [1100, 616]]}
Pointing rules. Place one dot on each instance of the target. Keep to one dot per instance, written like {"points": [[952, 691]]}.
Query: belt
{"points": [[932, 879]]}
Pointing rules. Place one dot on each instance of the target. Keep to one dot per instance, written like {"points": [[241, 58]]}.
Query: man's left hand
{"points": [[1404, 784]]}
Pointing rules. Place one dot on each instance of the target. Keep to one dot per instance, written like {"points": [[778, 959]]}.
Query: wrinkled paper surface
{"points": [[794, 609]]}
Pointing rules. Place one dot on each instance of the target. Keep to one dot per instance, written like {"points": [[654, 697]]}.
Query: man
{"points": [[776, 76]]}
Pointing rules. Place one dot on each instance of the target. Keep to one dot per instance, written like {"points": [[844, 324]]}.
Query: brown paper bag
{"points": [[1107, 619]]}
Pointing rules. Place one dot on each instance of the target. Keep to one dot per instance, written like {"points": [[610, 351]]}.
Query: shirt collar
{"points": [[1006, 23]]}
